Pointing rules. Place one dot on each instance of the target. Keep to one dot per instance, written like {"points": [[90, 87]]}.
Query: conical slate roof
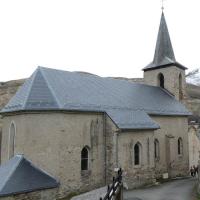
{"points": [[164, 53], [19, 175]]}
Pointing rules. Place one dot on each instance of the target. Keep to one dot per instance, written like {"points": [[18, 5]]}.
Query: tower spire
{"points": [[164, 71], [164, 53]]}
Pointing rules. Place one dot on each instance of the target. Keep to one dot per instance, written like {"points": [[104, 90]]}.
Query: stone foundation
{"points": [[49, 194]]}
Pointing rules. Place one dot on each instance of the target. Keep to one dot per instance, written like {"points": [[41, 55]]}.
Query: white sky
{"points": [[105, 37]]}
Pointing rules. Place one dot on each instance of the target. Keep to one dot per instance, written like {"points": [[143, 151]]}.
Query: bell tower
{"points": [[164, 71]]}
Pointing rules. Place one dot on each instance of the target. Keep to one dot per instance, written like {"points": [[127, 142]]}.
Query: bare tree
{"points": [[193, 77], [192, 73]]}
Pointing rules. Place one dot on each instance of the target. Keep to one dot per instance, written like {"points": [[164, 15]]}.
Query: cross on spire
{"points": [[162, 5], [164, 54]]}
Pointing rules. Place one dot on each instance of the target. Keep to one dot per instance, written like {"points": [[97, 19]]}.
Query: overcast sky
{"points": [[104, 37]]}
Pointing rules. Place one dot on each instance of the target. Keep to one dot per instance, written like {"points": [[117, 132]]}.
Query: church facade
{"points": [[81, 128]]}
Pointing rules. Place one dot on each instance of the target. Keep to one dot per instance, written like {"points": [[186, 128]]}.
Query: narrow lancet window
{"points": [[137, 154], [85, 159], [180, 146]]}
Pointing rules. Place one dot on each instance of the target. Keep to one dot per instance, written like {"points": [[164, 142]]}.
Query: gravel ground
{"points": [[92, 195], [173, 190]]}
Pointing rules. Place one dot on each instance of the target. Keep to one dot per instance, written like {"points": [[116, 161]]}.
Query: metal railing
{"points": [[114, 187]]}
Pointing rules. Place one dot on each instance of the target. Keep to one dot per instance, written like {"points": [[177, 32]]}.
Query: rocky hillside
{"points": [[8, 89], [193, 99]]}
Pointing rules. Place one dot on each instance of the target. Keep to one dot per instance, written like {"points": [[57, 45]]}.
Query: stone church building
{"points": [[80, 127]]}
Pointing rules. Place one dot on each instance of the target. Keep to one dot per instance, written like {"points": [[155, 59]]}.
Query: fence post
{"points": [[198, 184], [116, 185]]}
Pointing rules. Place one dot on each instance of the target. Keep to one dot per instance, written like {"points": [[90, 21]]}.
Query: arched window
{"points": [[161, 80], [137, 154], [180, 87], [12, 134], [156, 149], [85, 158], [180, 146]]}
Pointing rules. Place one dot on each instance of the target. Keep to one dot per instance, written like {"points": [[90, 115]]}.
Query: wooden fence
{"points": [[115, 190]]}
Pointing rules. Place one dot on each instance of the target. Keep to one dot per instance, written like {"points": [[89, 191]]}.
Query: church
{"points": [[77, 129]]}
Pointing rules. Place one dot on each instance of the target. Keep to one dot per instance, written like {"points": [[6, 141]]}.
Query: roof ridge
{"points": [[31, 85], [50, 88]]}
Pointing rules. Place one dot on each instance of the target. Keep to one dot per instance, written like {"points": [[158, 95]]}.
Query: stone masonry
{"points": [[171, 75]]}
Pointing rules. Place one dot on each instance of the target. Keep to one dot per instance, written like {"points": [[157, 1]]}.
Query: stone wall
{"points": [[144, 173], [198, 183], [48, 194], [169, 161], [119, 154], [194, 145], [111, 148], [53, 142], [171, 79]]}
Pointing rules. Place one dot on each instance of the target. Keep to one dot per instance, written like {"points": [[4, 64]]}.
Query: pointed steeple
{"points": [[164, 50], [164, 53]]}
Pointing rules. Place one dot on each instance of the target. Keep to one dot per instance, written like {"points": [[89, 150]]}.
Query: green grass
{"points": [[197, 197]]}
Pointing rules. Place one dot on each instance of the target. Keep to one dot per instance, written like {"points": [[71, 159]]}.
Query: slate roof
{"points": [[126, 119], [164, 53], [126, 102], [19, 175]]}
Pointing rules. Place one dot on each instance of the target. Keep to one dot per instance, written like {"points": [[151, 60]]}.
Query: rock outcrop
{"points": [[8, 89]]}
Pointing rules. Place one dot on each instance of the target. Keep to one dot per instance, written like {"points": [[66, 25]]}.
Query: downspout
{"points": [[116, 148], [105, 148], [117, 164]]}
